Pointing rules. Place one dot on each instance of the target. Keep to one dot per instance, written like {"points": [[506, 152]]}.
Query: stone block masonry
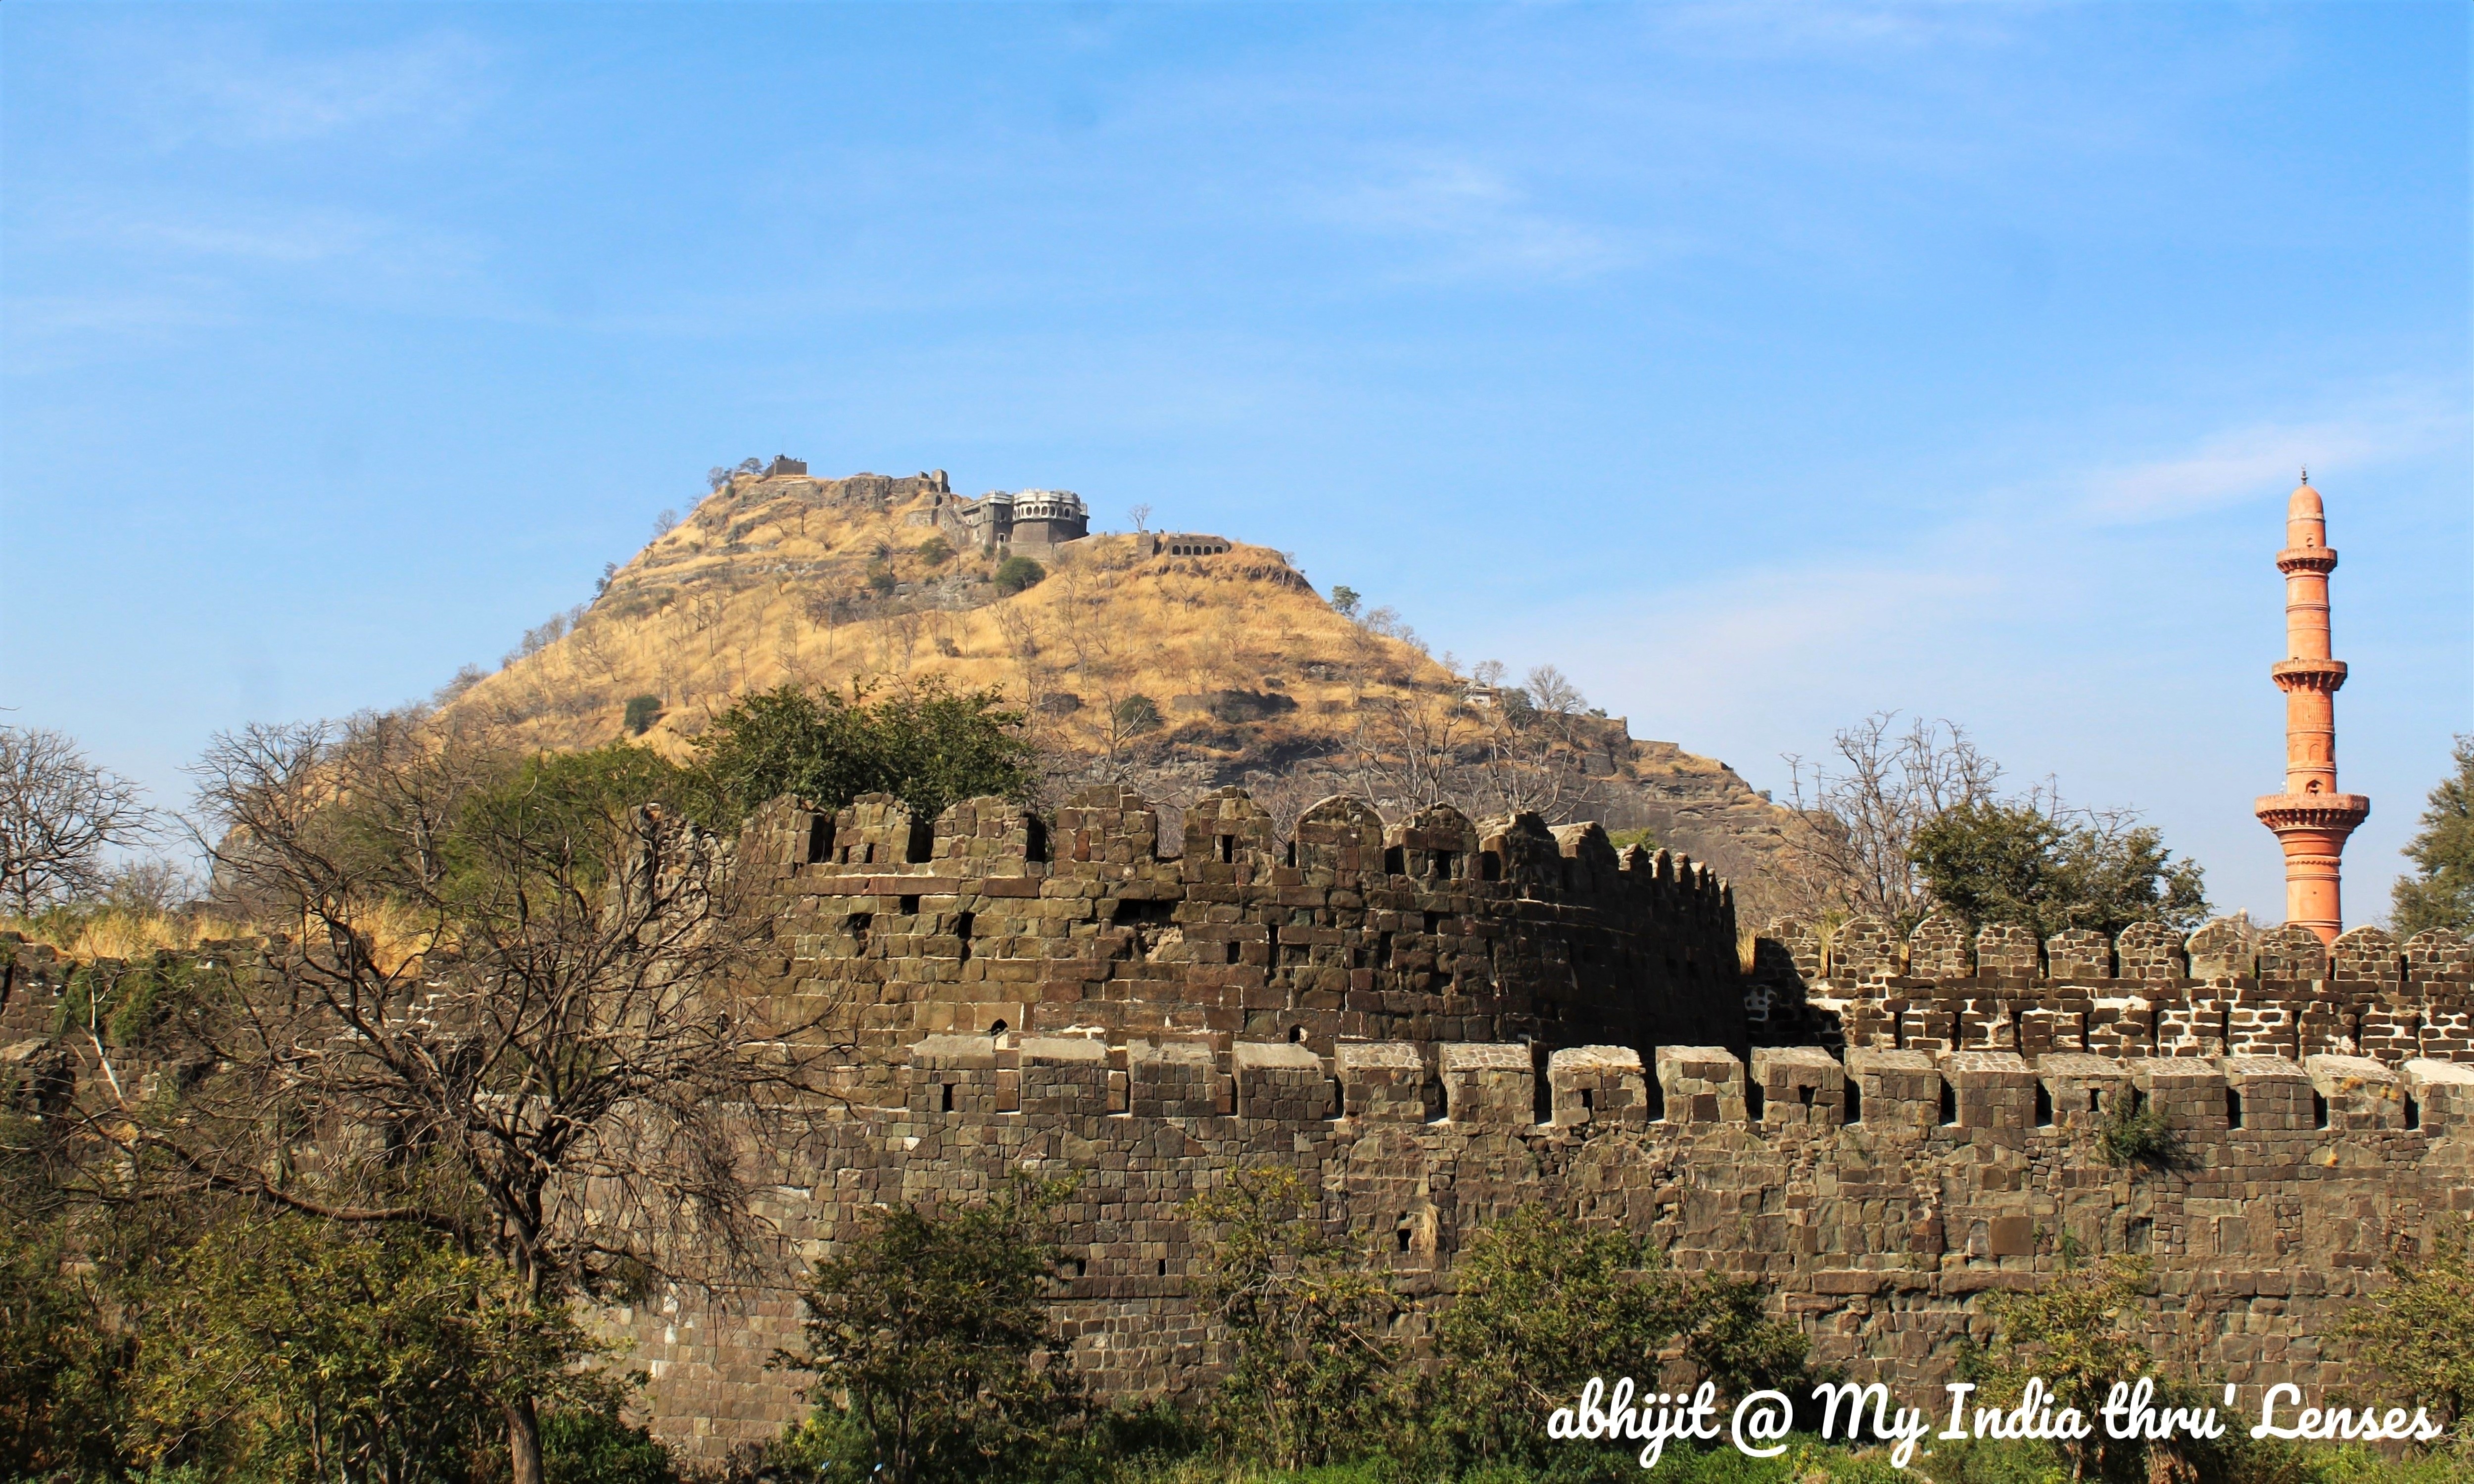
{"points": [[1876, 1222]]}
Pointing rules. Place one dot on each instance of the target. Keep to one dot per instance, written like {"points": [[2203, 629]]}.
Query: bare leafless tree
{"points": [[1533, 744], [521, 1020], [60, 815], [1858, 814], [1141, 516], [1406, 749]]}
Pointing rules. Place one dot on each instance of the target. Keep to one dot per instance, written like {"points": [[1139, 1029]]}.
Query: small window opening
{"points": [[1289, 856], [1296, 1034], [949, 1097], [911, 906], [859, 923], [1403, 1236], [1383, 951], [1080, 1267], [2044, 1107], [1441, 864], [997, 1027], [1588, 1099], [962, 922], [2233, 1108], [1803, 1094], [1490, 866], [1224, 848], [1434, 924], [922, 843], [1753, 1100], [1163, 1267], [1396, 861], [1034, 838], [2413, 1113], [820, 838], [1949, 1102], [2096, 1100], [1232, 951], [1855, 1112], [2318, 1110]]}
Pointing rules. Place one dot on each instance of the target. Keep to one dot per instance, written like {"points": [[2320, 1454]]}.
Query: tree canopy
{"points": [[932, 1328], [927, 745], [2440, 893], [2028, 864]]}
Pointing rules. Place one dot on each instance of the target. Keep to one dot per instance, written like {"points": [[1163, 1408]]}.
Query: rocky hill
{"points": [[1174, 673]]}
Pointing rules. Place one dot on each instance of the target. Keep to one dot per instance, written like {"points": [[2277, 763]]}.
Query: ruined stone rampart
{"points": [[2150, 992], [993, 919]]}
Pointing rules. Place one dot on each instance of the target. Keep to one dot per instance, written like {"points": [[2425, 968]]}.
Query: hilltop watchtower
{"points": [[2310, 818]]}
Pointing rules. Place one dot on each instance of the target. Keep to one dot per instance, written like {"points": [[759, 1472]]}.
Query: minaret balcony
{"points": [[2334, 813], [2307, 558], [2320, 675]]}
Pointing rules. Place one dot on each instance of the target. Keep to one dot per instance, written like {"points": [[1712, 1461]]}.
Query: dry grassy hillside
{"points": [[1253, 676], [822, 582]]}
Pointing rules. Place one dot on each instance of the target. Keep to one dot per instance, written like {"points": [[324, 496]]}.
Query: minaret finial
{"points": [[2306, 473]]}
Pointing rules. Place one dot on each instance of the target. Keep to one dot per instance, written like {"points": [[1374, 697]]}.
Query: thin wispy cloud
{"points": [[2223, 468], [1472, 219], [231, 88]]}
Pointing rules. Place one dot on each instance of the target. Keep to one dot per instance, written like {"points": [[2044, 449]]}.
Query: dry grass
{"points": [[767, 582], [397, 936], [121, 932]]}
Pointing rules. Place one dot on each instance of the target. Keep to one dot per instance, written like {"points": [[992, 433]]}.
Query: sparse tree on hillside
{"points": [[665, 523], [1345, 601], [61, 814], [2440, 893], [1141, 516], [515, 983]]}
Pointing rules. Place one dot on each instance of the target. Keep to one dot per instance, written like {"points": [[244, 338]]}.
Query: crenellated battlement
{"points": [[994, 919], [2225, 990], [1887, 1093]]}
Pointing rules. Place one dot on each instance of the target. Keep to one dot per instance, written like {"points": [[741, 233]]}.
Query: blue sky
{"points": [[1762, 366]]}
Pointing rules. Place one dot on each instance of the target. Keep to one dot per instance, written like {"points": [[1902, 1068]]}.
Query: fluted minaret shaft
{"points": [[2310, 818]]}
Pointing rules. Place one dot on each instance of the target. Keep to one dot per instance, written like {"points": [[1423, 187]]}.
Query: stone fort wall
{"points": [[1876, 1197], [994, 919], [1437, 1021]]}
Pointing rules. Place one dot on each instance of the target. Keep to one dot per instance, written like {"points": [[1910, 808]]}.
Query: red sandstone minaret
{"points": [[2310, 818]]}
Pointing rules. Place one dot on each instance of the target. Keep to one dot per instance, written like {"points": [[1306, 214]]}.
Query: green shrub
{"points": [[935, 551], [881, 580], [641, 713], [928, 745], [1137, 714], [1015, 573], [1308, 1322], [2136, 1135], [933, 1329], [595, 1446]]}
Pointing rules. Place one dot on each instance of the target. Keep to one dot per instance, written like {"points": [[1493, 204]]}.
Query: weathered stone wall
{"points": [[1876, 1216], [2150, 992], [993, 919]]}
